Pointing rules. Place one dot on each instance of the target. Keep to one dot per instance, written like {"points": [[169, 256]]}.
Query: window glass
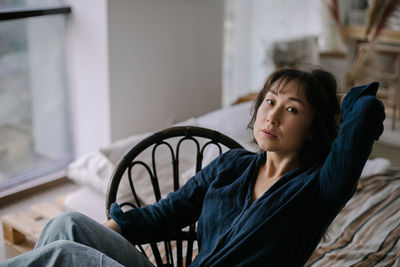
{"points": [[34, 126]]}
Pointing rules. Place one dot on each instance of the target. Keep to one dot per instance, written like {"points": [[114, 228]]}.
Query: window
{"points": [[34, 124]]}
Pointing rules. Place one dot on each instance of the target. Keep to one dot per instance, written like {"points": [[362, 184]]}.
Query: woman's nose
{"points": [[273, 117]]}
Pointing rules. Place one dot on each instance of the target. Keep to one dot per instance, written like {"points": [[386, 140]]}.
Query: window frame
{"points": [[27, 12]]}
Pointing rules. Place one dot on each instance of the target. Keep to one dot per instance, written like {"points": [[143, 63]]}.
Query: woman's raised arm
{"points": [[362, 124]]}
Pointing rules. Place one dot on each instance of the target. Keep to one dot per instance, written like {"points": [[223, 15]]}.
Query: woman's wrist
{"points": [[112, 225]]}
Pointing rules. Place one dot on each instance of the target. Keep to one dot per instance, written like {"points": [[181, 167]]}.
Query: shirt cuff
{"points": [[355, 93], [120, 218]]}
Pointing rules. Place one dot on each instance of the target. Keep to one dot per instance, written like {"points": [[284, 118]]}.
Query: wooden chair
{"points": [[202, 138]]}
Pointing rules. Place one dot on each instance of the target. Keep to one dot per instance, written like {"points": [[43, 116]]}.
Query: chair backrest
{"points": [[172, 138]]}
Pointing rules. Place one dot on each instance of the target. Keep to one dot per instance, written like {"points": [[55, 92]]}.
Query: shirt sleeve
{"points": [[363, 116], [177, 210]]}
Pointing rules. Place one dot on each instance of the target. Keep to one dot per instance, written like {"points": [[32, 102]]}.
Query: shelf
{"points": [[386, 36]]}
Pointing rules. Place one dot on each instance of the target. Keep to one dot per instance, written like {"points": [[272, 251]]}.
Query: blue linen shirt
{"points": [[284, 225]]}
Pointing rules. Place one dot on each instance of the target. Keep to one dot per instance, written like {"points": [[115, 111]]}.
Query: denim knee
{"points": [[67, 220], [61, 227], [63, 246]]}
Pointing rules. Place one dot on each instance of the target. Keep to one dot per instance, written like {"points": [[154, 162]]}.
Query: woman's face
{"points": [[284, 118]]}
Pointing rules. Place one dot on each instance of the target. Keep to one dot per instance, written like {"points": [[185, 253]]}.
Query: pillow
{"points": [[94, 169], [375, 166]]}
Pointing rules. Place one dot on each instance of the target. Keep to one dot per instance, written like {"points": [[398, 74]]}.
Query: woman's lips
{"points": [[269, 133]]}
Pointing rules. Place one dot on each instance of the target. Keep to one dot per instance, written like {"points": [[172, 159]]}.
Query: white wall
{"points": [[237, 49], [257, 24], [140, 65], [165, 62], [88, 75]]}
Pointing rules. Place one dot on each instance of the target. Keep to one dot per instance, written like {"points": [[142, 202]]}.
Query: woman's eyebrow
{"points": [[273, 92], [296, 99], [290, 98]]}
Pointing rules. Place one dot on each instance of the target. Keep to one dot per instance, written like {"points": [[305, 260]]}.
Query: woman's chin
{"points": [[267, 147]]}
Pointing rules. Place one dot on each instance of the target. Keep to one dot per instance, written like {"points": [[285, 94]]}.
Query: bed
{"points": [[365, 233]]}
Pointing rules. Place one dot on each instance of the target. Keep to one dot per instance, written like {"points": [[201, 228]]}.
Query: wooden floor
{"points": [[28, 203]]}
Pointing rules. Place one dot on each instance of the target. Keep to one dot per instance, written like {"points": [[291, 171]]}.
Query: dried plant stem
{"points": [[333, 8], [374, 12], [388, 11], [363, 67]]}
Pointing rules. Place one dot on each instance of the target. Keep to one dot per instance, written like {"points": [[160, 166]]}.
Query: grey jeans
{"points": [[73, 239]]}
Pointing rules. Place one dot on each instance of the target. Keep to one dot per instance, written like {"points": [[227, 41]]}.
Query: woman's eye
{"points": [[270, 102], [292, 109]]}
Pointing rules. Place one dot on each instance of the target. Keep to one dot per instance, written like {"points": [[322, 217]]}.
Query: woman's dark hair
{"points": [[320, 89]]}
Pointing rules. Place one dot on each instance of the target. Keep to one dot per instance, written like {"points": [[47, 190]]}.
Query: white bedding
{"points": [[94, 169]]}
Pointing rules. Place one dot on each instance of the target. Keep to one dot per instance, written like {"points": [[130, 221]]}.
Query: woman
{"points": [[253, 209]]}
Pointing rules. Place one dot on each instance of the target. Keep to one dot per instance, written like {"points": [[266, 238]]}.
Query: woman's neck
{"points": [[277, 165], [271, 171]]}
